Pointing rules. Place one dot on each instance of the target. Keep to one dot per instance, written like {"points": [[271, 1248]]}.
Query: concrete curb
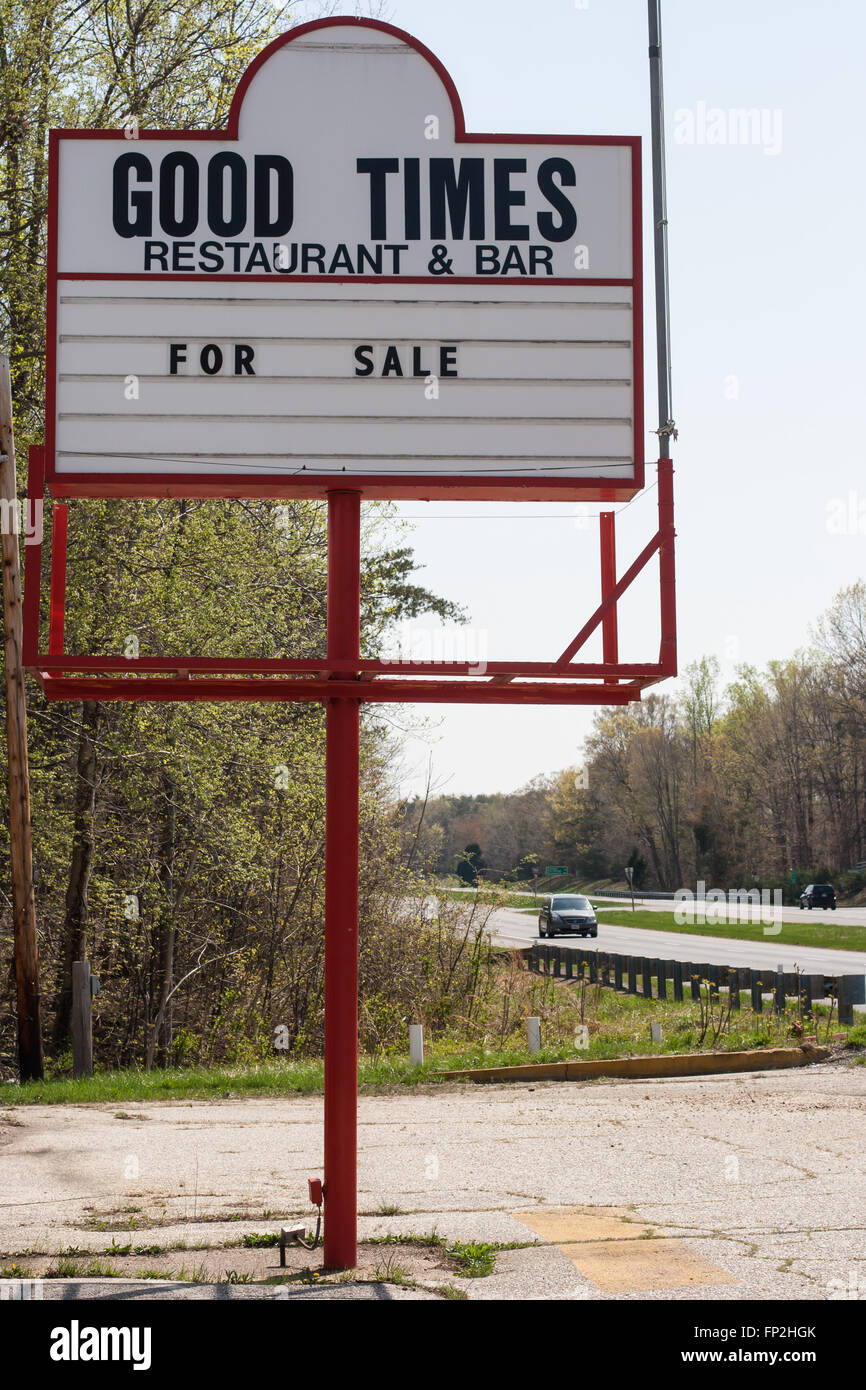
{"points": [[687, 1064]]}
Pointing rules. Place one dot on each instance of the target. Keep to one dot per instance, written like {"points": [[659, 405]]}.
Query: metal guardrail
{"points": [[626, 893], [624, 973]]}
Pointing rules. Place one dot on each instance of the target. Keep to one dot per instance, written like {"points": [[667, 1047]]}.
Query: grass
{"points": [[621, 1029], [820, 929], [470, 1259]]}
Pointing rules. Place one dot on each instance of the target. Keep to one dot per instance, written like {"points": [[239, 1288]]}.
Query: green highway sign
{"points": [[556, 869]]}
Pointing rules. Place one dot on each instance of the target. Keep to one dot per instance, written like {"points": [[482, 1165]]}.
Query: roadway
{"points": [[511, 927]]}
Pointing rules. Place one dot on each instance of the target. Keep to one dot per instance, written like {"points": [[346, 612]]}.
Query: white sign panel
{"points": [[344, 288]]}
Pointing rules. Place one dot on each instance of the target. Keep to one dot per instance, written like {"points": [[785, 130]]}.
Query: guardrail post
{"points": [[661, 980], [713, 977], [695, 979], [593, 966], [805, 996], [632, 974], [779, 992], [569, 964], [646, 971], [734, 986], [677, 973], [852, 990], [755, 984], [617, 974]]}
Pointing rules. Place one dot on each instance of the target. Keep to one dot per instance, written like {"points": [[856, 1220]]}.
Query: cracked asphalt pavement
{"points": [[760, 1177]]}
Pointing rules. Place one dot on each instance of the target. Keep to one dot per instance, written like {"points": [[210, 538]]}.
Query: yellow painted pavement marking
{"points": [[619, 1252]]}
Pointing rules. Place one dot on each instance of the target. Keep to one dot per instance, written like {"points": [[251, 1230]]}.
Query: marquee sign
{"points": [[344, 288]]}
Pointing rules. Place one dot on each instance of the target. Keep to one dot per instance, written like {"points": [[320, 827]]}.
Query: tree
{"points": [[472, 865]]}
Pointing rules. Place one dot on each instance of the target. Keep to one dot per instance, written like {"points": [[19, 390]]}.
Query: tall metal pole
{"points": [[26, 950], [667, 429], [341, 887]]}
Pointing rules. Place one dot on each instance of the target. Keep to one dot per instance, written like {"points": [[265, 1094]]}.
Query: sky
{"points": [[767, 286]]}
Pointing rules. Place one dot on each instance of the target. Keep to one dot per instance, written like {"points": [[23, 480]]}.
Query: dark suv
{"points": [[567, 912], [818, 895]]}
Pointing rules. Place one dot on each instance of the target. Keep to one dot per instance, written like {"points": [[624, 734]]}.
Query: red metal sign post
{"points": [[341, 885]]}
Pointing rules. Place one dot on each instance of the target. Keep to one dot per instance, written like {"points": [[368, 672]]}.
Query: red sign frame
{"points": [[436, 487]]}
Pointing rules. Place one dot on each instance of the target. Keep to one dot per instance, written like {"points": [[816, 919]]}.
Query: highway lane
{"points": [[847, 916], [742, 912], [513, 928]]}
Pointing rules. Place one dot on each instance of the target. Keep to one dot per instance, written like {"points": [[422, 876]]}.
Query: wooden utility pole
{"points": [[20, 832]]}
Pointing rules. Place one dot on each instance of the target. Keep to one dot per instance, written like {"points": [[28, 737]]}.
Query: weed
{"points": [[390, 1272]]}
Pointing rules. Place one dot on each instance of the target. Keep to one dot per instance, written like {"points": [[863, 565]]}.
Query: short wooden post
{"points": [[631, 964], [82, 1025], [617, 974], [852, 990], [677, 972], [756, 985], [569, 964], [695, 979], [734, 986], [646, 971], [593, 967], [661, 980]]}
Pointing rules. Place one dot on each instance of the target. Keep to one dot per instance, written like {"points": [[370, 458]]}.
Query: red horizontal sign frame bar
{"points": [[200, 689], [287, 666]]}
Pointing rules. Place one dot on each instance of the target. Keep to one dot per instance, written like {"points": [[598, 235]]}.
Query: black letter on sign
{"points": [[391, 366], [505, 198], [364, 357], [557, 199], [467, 187], [378, 169], [142, 223], [244, 355], [448, 361], [188, 220], [412, 198], [236, 220], [284, 216], [211, 358], [176, 354]]}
